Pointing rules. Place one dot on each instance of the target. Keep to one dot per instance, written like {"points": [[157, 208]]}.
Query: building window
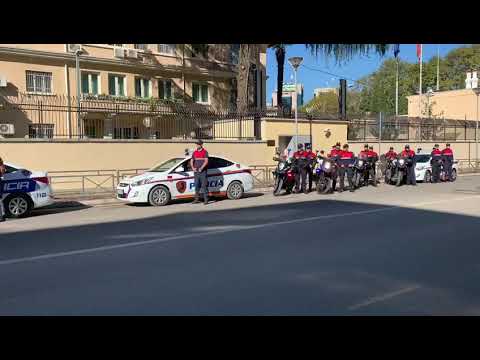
{"points": [[39, 82], [200, 93], [116, 85], [40, 131], [90, 83], [143, 87], [234, 53], [165, 89], [167, 48], [140, 46]]}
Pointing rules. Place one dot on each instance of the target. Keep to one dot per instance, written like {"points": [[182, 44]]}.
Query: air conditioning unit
{"points": [[3, 81], [119, 52], [132, 53], [74, 47], [7, 129]]}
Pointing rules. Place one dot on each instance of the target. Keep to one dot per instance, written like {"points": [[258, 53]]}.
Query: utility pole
{"points": [[438, 67]]}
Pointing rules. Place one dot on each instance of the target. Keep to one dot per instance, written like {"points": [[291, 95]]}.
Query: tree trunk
{"points": [[280, 54], [242, 77]]}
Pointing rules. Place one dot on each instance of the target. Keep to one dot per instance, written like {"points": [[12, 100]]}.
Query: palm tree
{"points": [[345, 52], [280, 52]]}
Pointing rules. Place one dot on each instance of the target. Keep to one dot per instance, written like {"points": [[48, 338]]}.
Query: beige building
{"points": [[454, 104], [324, 91], [46, 74]]}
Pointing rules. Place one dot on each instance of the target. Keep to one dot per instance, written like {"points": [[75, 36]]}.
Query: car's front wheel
{"points": [[159, 196], [18, 205], [235, 191]]}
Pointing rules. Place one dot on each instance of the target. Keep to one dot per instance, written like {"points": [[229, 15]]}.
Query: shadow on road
{"points": [[318, 257]]}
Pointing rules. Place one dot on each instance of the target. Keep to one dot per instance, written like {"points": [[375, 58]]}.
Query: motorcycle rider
{"points": [[410, 154], [372, 158], [436, 163], [311, 157], [345, 162], [301, 162], [447, 157]]}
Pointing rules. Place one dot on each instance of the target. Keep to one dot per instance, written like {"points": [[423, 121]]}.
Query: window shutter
{"points": [[85, 83], [111, 85], [168, 89], [195, 92], [161, 90], [204, 93], [138, 88]]}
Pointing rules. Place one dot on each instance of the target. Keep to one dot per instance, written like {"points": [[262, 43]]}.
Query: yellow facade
{"points": [[454, 104]]}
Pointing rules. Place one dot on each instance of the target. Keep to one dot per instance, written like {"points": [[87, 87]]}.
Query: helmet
{"points": [[300, 146]]}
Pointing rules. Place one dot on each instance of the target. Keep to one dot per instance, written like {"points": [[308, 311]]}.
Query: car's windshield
{"points": [[422, 158], [166, 165]]}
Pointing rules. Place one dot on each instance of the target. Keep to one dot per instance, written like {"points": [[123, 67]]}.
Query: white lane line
{"points": [[384, 297], [222, 231]]}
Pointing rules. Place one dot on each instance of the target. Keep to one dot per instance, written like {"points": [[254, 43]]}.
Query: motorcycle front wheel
{"points": [[399, 178], [278, 186]]}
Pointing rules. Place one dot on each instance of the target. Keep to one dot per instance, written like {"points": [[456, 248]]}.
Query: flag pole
{"points": [[396, 93], [420, 86], [438, 67]]}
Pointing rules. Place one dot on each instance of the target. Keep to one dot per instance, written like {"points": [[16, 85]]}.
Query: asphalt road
{"points": [[384, 251]]}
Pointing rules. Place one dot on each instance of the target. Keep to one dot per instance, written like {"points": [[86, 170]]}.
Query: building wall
{"points": [[272, 129], [101, 155], [99, 58], [454, 104]]}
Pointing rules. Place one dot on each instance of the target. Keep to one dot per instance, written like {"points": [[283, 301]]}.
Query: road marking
{"points": [[384, 297], [222, 231]]}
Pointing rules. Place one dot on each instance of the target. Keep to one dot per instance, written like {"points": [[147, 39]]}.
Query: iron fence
{"points": [[411, 129], [105, 117]]}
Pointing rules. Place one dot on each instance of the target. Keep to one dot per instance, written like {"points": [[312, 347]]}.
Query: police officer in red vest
{"points": [[447, 155], [311, 157], [372, 157], [301, 161], [334, 156], [410, 155], [199, 163], [436, 163], [391, 154], [345, 164]]}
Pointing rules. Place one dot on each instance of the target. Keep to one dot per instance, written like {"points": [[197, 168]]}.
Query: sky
{"points": [[355, 69]]}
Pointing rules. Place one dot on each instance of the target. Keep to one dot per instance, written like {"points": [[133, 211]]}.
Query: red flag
{"points": [[419, 50]]}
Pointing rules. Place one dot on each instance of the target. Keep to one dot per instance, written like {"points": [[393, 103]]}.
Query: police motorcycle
{"points": [[284, 175], [325, 171], [390, 170], [359, 168], [401, 170]]}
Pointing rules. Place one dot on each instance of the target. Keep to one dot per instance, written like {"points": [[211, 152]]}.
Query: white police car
{"points": [[24, 190], [174, 179], [423, 168]]}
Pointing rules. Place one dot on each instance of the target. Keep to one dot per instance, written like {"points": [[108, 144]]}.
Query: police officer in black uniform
{"points": [[345, 164], [301, 160], [436, 163], [310, 164]]}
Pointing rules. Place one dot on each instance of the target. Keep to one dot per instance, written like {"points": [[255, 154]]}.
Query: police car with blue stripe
{"points": [[174, 179], [24, 190]]}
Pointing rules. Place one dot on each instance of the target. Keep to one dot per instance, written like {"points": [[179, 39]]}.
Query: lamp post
{"points": [[477, 92], [295, 62], [78, 52]]}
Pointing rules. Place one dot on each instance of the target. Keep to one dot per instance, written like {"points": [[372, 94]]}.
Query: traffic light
{"points": [[342, 99]]}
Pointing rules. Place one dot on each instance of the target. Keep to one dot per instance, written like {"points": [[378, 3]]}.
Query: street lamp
{"points": [[477, 92], [295, 62], [78, 52]]}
